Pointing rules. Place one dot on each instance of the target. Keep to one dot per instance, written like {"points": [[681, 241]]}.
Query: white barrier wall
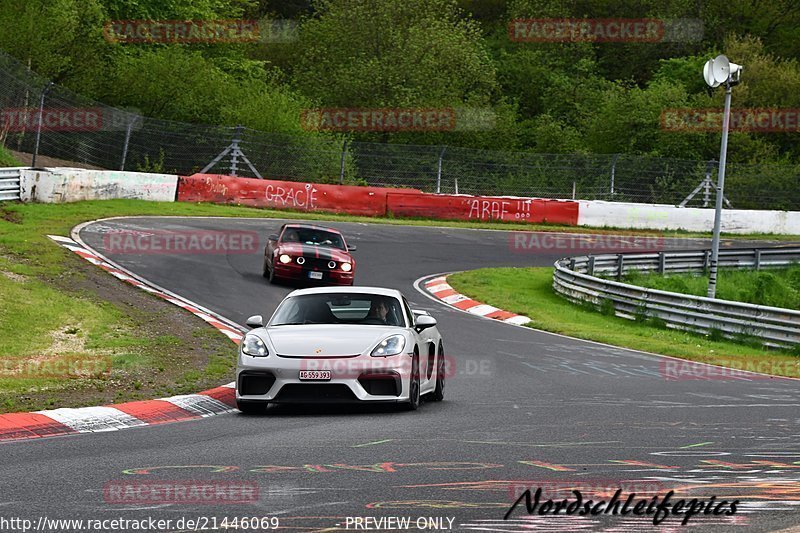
{"points": [[58, 185], [669, 217]]}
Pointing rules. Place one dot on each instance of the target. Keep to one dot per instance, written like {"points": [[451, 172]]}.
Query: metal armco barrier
{"points": [[586, 279], [9, 184]]}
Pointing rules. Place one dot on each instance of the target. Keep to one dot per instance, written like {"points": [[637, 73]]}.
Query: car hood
{"points": [[310, 250], [327, 340]]}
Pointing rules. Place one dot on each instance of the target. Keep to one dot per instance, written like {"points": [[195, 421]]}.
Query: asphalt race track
{"points": [[522, 408]]}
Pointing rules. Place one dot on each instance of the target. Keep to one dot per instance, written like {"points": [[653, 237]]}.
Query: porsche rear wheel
{"points": [[414, 387], [438, 393]]}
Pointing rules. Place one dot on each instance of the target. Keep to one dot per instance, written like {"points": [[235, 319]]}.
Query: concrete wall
{"points": [[58, 185], [72, 185], [669, 217]]}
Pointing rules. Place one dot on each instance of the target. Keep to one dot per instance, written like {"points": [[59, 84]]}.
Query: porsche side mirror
{"points": [[273, 237], [351, 247], [424, 322], [255, 321]]}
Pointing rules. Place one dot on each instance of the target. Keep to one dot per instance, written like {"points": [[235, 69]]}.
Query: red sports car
{"points": [[308, 253]]}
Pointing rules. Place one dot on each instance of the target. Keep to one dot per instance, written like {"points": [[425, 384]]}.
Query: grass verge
{"points": [[7, 159], [529, 292], [774, 287]]}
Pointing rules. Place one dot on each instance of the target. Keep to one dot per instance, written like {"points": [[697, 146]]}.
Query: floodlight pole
{"points": [[723, 152]]}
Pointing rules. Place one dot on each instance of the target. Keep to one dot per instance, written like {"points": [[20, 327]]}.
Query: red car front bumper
{"points": [[296, 272]]}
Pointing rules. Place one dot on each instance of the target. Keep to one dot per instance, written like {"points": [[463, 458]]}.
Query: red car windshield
{"points": [[315, 237]]}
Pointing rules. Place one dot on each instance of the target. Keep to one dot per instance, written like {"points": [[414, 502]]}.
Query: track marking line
{"points": [[371, 443]]}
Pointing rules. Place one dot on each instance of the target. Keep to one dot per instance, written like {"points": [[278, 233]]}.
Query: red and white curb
{"points": [[66, 421], [441, 290]]}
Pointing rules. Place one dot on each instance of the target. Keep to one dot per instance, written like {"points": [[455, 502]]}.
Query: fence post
{"points": [[707, 189], [613, 171], [590, 269], [344, 157], [131, 121], [574, 185], [757, 259], [662, 263], [620, 266], [39, 121], [439, 172], [237, 134]]}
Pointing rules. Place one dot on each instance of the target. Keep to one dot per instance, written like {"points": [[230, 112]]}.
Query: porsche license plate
{"points": [[315, 375], [315, 275]]}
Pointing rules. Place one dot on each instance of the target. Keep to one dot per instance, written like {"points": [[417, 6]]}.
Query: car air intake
{"points": [[387, 384], [255, 383], [315, 392]]}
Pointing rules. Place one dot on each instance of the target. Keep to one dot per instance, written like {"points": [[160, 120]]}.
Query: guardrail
{"points": [[10, 183], [576, 278]]}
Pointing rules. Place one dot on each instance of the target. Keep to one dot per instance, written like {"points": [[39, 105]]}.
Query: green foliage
{"points": [[7, 159], [566, 98], [716, 335], [177, 9], [155, 166], [607, 307], [59, 39], [399, 53]]}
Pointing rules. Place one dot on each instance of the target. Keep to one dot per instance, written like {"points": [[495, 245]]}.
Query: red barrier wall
{"points": [[483, 208], [371, 201], [214, 188]]}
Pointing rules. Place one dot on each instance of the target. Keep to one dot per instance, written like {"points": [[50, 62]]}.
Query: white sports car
{"points": [[341, 344]]}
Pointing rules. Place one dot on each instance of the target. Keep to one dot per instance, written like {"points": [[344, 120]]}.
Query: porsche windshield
{"points": [[316, 237], [339, 308]]}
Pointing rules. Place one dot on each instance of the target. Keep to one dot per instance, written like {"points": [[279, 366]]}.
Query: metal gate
{"points": [[9, 184]]}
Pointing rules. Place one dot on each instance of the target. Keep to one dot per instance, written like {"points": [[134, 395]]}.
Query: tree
{"points": [[399, 53], [59, 39]]}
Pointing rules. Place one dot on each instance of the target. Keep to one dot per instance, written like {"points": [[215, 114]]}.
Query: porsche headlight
{"points": [[347, 267], [254, 346], [284, 258], [390, 346]]}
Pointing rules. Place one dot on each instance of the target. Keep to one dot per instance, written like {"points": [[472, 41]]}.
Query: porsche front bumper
{"points": [[362, 378]]}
